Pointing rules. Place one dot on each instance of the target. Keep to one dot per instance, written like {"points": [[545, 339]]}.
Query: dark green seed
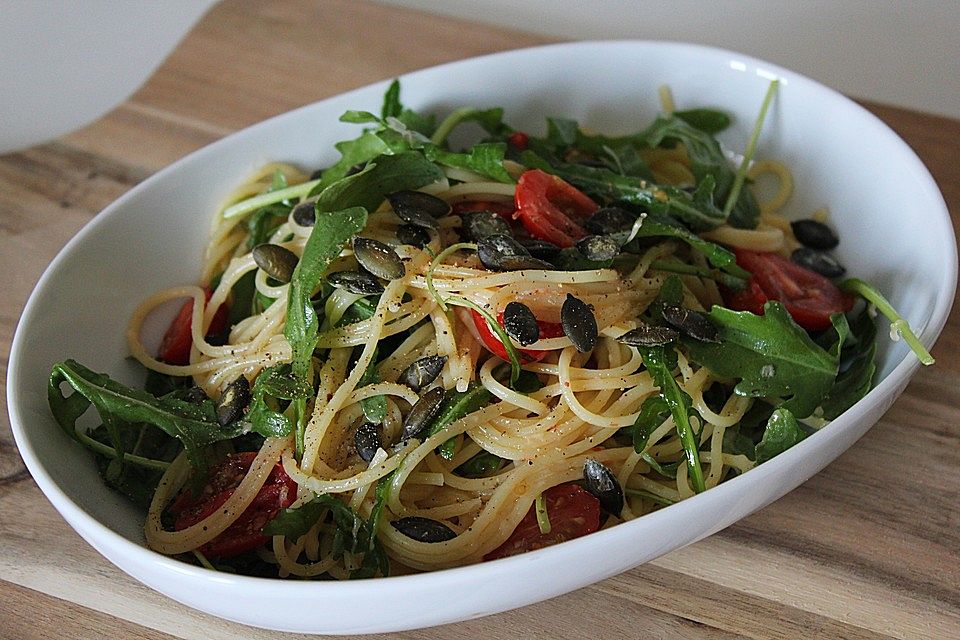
{"points": [[647, 335], [579, 324], [413, 235], [276, 261], [520, 323], [501, 252], [600, 481], [378, 258], [539, 248], [425, 409], [482, 224], [691, 323], [598, 248], [418, 208], [815, 235], [422, 372], [234, 400], [423, 529], [366, 440], [610, 220], [818, 261], [358, 282], [305, 214]]}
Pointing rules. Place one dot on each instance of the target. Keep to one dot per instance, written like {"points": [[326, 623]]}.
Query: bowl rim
{"points": [[89, 527]]}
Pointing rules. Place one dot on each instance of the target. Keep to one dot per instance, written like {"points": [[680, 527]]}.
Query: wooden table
{"points": [[849, 554]]}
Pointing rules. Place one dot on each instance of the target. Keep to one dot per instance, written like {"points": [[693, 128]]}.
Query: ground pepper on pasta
{"points": [[424, 357]]}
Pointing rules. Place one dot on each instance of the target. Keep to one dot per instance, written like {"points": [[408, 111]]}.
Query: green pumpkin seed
{"points": [[276, 261]]}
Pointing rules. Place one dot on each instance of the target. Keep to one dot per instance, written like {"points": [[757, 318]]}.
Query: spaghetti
{"points": [[349, 484]]}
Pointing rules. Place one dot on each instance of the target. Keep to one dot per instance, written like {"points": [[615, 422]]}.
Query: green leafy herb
{"points": [[707, 120], [374, 407], [193, 424], [771, 355], [485, 159], [457, 405], [783, 431], [653, 412], [657, 362], [480, 466]]}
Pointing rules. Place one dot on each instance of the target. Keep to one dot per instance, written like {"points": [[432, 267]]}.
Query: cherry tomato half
{"points": [[177, 341], [551, 209], [493, 344], [246, 533], [809, 297], [573, 512]]}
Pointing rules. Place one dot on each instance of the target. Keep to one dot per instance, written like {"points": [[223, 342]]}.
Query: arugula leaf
{"points": [[457, 405], [391, 101], [330, 234], [707, 120], [294, 523], [275, 382], [384, 174], [667, 470], [480, 466], [681, 408], [654, 226], [484, 158], [490, 119], [698, 210], [527, 382], [706, 160], [653, 412], [193, 424], [783, 431], [737, 443], [374, 407], [857, 368], [770, 354]]}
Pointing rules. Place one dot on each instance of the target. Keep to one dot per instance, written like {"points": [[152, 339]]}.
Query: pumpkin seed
{"points": [[378, 258], [418, 208], [648, 335], [276, 261], [815, 235], [691, 323], [481, 224], [598, 248], [422, 372], [540, 249], [358, 282], [818, 261], [425, 409], [579, 324], [501, 252], [305, 214], [413, 235], [366, 440], [520, 323], [600, 481], [234, 400], [610, 220], [423, 529]]}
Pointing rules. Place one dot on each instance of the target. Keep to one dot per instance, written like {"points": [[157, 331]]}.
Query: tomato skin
{"points": [[573, 512], [503, 209], [177, 341], [518, 140], [246, 533], [493, 344], [808, 297], [551, 209]]}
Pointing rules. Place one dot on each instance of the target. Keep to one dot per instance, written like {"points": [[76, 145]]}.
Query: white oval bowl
{"points": [[153, 237]]}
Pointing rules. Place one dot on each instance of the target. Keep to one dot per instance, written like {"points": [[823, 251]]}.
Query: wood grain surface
{"points": [[869, 548]]}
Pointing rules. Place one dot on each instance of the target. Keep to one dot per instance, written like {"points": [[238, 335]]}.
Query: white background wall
{"points": [[891, 51]]}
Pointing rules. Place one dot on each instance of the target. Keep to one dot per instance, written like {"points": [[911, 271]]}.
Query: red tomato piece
{"points": [[502, 209], [177, 341], [493, 344], [246, 533], [808, 297], [573, 512], [518, 140], [551, 209]]}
